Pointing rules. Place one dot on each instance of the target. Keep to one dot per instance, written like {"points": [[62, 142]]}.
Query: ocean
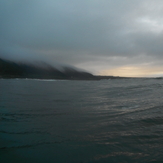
{"points": [[62, 121]]}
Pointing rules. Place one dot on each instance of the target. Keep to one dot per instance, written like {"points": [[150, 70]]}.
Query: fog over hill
{"points": [[40, 70]]}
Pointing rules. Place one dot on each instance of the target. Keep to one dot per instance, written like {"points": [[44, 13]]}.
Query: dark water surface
{"points": [[81, 121]]}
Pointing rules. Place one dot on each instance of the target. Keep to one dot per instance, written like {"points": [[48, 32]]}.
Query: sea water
{"points": [[54, 121]]}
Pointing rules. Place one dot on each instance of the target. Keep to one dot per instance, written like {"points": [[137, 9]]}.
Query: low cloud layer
{"points": [[101, 36]]}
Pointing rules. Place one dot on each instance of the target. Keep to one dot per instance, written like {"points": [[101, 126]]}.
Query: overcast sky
{"points": [[109, 37]]}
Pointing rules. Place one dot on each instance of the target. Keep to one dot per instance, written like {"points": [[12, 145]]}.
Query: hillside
{"points": [[10, 69]]}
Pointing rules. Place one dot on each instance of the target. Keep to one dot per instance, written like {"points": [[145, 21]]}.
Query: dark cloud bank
{"points": [[101, 36]]}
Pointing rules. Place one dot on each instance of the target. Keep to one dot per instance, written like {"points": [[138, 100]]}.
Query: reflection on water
{"points": [[81, 121]]}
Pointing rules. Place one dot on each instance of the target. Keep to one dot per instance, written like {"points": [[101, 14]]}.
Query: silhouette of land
{"points": [[10, 69]]}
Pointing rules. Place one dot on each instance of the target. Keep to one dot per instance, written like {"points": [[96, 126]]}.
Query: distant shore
{"points": [[94, 77], [11, 70]]}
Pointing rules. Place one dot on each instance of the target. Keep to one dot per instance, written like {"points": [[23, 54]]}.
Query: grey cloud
{"points": [[80, 32]]}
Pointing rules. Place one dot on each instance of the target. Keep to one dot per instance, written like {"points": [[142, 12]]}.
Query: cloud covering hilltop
{"points": [[102, 36], [9, 69]]}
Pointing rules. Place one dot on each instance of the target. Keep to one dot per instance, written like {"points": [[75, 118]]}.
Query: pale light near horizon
{"points": [[131, 71]]}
